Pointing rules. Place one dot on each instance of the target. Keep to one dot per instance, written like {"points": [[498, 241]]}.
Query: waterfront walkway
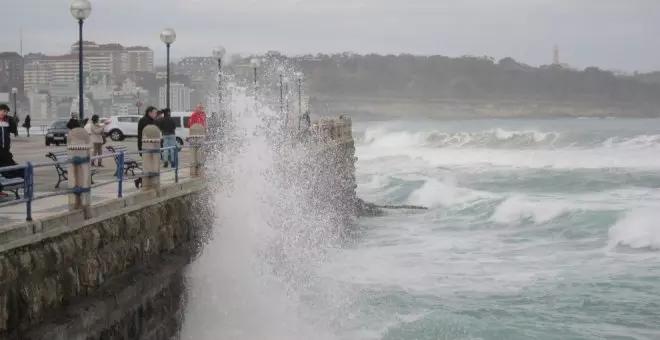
{"points": [[34, 150]]}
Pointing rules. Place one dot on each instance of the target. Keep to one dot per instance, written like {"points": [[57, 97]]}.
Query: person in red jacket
{"points": [[198, 116]]}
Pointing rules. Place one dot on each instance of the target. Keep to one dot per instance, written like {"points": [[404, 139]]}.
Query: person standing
{"points": [[95, 131], [73, 121], [27, 123], [7, 126], [197, 117], [168, 129], [149, 118]]}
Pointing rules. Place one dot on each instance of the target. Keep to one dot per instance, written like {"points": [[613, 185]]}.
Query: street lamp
{"points": [[219, 53], [299, 75], [14, 92], [255, 63], [286, 98], [80, 9], [167, 36], [280, 70]]}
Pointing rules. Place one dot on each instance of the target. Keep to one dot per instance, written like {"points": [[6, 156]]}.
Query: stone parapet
{"points": [[69, 260]]}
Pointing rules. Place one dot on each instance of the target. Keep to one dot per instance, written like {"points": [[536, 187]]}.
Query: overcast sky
{"points": [[612, 34]]}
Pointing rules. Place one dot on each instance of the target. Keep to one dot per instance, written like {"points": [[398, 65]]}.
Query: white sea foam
{"points": [[639, 228]]}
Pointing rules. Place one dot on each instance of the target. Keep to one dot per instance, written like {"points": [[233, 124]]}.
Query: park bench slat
{"points": [[130, 163], [62, 169], [12, 185]]}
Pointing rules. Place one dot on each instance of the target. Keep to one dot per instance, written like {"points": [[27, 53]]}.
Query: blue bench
{"points": [[12, 185], [130, 163], [63, 169]]}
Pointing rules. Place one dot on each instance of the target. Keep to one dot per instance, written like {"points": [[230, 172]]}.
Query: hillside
{"points": [[438, 83]]}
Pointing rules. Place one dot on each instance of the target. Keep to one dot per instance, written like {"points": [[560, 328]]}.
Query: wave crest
{"points": [[501, 138]]}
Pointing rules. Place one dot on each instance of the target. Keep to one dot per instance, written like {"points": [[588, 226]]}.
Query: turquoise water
{"points": [[537, 229]]}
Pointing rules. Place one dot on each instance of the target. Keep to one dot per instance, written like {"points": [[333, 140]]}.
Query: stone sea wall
{"points": [[113, 274]]}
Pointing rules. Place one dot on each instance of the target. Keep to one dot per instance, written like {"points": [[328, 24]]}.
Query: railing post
{"points": [[120, 174], [196, 139], [151, 157], [78, 169], [28, 190], [175, 155]]}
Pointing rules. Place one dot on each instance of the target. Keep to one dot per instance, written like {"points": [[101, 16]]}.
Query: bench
{"points": [[12, 185], [63, 169], [130, 163]]}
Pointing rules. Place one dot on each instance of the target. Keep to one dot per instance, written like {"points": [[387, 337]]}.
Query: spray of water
{"points": [[273, 226]]}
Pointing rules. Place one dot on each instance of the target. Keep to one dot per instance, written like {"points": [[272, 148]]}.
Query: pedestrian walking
{"points": [[27, 123]]}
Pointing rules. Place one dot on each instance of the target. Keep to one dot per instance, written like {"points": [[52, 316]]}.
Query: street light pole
{"points": [[280, 70], [14, 92], [299, 76], [255, 62], [219, 53], [167, 36], [81, 10]]}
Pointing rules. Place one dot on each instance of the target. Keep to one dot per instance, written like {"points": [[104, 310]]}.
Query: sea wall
{"points": [[112, 275]]}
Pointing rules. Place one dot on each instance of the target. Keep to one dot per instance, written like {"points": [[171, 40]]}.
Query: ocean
{"points": [[536, 229]]}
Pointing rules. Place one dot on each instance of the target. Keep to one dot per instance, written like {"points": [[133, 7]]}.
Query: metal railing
{"points": [[28, 168]]}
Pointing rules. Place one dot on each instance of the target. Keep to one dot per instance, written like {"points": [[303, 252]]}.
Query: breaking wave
{"points": [[501, 138]]}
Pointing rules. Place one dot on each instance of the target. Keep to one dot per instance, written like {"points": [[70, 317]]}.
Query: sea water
{"points": [[536, 229]]}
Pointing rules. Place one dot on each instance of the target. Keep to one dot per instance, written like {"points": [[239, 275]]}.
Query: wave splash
{"points": [[256, 278]]}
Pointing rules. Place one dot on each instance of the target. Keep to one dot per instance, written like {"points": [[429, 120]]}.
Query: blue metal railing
{"points": [[120, 158]]}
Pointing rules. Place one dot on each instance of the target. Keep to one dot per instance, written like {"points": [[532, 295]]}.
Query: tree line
{"points": [[467, 77]]}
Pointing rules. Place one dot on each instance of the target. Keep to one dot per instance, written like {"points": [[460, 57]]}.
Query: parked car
{"points": [[57, 133], [120, 127], [181, 121]]}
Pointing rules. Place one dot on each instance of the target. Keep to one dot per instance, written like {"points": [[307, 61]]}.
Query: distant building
{"points": [[179, 98], [40, 104], [37, 74], [121, 59], [63, 68], [11, 72]]}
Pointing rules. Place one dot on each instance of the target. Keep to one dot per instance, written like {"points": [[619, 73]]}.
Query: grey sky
{"points": [[613, 34]]}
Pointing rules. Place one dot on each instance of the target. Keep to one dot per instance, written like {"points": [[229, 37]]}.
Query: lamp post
{"points": [[299, 76], [280, 70], [255, 63], [167, 36], [81, 10], [14, 92], [286, 99], [219, 53]]}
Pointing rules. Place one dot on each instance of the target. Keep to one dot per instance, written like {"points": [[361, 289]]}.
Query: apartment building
{"points": [[116, 59], [179, 97], [11, 72]]}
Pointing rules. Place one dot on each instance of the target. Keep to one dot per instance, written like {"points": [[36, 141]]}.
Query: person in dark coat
{"points": [[7, 125], [27, 123], [149, 118], [168, 128], [73, 122]]}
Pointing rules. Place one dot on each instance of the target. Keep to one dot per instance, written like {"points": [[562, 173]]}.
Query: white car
{"points": [[120, 127]]}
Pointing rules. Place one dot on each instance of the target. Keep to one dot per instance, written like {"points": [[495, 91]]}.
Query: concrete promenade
{"points": [[34, 150]]}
